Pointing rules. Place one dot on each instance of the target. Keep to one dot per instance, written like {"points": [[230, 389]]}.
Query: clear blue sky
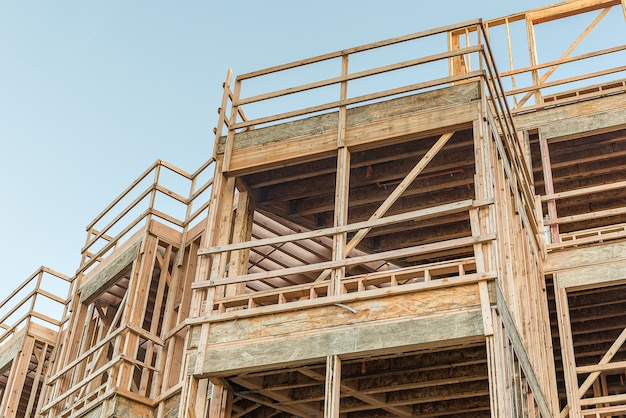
{"points": [[93, 92]]}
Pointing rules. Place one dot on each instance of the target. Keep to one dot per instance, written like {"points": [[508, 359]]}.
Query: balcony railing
{"points": [[35, 300], [180, 205]]}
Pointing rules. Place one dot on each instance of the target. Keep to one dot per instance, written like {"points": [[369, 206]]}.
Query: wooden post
{"points": [[221, 401], [242, 231], [341, 215], [19, 370], [549, 185], [332, 391], [342, 186], [532, 50], [218, 232], [567, 352]]}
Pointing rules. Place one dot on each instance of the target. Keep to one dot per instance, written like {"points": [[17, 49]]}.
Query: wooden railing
{"points": [[146, 199], [472, 62], [391, 277], [78, 387], [589, 235], [458, 60], [465, 267], [31, 302], [568, 78]]}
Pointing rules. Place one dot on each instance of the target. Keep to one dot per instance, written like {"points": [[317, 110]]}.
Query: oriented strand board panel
{"points": [[584, 257], [586, 108], [368, 325], [317, 136], [354, 340], [9, 351], [592, 276], [584, 124], [108, 275]]}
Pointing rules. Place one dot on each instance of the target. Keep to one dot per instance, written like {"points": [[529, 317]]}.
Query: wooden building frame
{"points": [[32, 318], [433, 236]]}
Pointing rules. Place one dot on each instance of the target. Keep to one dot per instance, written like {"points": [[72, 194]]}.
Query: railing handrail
{"points": [[357, 49], [583, 191], [326, 265], [433, 211], [150, 192], [358, 75], [29, 300]]}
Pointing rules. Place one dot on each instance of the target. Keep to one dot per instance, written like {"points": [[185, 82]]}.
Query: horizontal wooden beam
{"points": [[403, 252], [592, 276], [585, 257], [567, 9], [415, 215], [95, 285], [304, 348]]}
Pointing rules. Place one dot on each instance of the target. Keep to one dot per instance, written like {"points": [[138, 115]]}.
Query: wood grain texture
{"points": [[108, 275], [354, 340]]}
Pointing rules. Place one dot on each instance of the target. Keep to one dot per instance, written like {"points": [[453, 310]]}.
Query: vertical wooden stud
{"points": [[332, 392]]}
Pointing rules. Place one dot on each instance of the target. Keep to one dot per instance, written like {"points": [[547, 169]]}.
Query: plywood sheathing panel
{"points": [[316, 136], [366, 325], [593, 276], [253, 355], [610, 104], [108, 275], [574, 126], [9, 350], [585, 257]]}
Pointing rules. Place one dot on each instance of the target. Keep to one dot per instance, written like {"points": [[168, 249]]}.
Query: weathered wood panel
{"points": [[592, 276], [363, 114], [572, 127], [301, 348], [583, 257], [108, 275], [314, 137], [533, 120], [9, 351], [355, 327], [424, 303]]}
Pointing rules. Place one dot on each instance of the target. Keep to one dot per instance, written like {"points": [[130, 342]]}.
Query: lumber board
{"points": [[311, 137], [413, 305], [584, 257], [532, 120], [9, 350], [42, 333], [592, 276], [300, 349], [108, 275], [567, 9], [575, 126]]}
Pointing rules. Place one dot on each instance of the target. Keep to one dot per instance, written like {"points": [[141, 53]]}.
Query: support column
{"points": [[332, 392], [221, 401], [342, 186], [18, 373], [567, 352], [341, 216], [212, 267], [549, 185], [242, 232]]}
